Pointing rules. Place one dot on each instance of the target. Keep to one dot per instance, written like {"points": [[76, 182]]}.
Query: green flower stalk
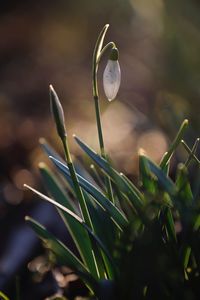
{"points": [[58, 114], [108, 81]]}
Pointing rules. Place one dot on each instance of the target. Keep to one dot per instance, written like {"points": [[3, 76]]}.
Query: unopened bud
{"points": [[57, 112]]}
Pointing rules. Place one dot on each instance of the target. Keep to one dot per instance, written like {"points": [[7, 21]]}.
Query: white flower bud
{"points": [[112, 77]]}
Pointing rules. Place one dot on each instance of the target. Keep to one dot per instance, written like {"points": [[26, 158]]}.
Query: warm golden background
{"points": [[45, 42]]}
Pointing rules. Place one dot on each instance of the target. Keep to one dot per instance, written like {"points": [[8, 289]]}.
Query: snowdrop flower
{"points": [[112, 75]]}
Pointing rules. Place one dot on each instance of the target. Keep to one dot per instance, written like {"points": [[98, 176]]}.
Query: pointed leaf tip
{"points": [[41, 165], [42, 141]]}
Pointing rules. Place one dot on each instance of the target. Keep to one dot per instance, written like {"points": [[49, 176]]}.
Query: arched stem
{"points": [[96, 60]]}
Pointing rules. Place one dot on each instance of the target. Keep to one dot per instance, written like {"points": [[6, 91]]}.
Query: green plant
{"points": [[133, 243], [3, 296]]}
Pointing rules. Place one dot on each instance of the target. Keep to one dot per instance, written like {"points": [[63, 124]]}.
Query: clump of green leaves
{"points": [[133, 243]]}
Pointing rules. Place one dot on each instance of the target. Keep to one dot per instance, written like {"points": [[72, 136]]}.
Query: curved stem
{"points": [[96, 54], [109, 45], [96, 60]]}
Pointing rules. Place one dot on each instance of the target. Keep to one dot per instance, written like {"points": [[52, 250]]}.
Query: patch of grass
{"points": [[134, 242]]}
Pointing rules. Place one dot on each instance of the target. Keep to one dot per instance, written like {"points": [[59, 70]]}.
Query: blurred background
{"points": [[45, 42]]}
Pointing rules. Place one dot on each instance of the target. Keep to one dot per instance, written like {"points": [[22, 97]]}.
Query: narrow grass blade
{"points": [[55, 188], [49, 150], [185, 202], [185, 253], [93, 259], [147, 180], [166, 158], [115, 214], [191, 152], [78, 233], [125, 186], [74, 182], [76, 218], [183, 186], [101, 222], [96, 176], [63, 254], [3, 296], [151, 186], [163, 180], [168, 222]]}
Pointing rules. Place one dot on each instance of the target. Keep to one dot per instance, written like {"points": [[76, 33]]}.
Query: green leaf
{"points": [[55, 189], [3, 296], [101, 222], [147, 180], [98, 214], [63, 254], [150, 185], [167, 156], [163, 180], [185, 253], [196, 225], [191, 152], [76, 218], [78, 233], [186, 248], [115, 214], [185, 202], [169, 224], [123, 183], [49, 150], [166, 168], [183, 186]]}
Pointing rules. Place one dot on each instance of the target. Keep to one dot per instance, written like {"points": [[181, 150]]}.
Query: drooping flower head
{"points": [[112, 75]]}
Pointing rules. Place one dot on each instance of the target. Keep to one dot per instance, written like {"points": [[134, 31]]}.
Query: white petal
{"points": [[111, 79]]}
